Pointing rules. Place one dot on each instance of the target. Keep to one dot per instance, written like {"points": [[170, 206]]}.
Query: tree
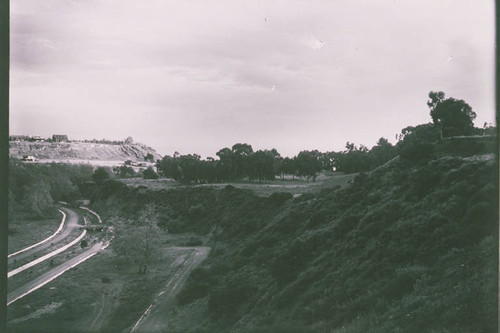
{"points": [[149, 173], [139, 240], [263, 164], [225, 165], [38, 197], [308, 164], [190, 168], [451, 116], [242, 153], [382, 152], [124, 171], [354, 159], [169, 167], [149, 157], [100, 175]]}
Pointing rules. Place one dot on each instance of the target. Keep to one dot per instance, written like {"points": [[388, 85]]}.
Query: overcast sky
{"points": [[196, 76]]}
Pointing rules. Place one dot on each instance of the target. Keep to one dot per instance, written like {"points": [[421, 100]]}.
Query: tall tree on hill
{"points": [[263, 164], [241, 155], [225, 165], [452, 116], [308, 164]]}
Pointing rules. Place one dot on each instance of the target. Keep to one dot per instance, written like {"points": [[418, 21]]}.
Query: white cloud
{"points": [[337, 67]]}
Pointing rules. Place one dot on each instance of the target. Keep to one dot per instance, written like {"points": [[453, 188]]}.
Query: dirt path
{"points": [[104, 307], [153, 319]]}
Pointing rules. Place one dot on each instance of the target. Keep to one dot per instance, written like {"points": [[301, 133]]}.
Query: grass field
{"points": [[295, 185], [104, 294], [25, 232]]}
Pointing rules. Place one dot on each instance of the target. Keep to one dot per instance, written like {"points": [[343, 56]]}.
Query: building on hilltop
{"points": [[59, 138], [36, 138]]}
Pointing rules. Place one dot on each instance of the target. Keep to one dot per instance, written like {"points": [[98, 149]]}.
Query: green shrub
{"points": [[416, 152], [149, 173]]}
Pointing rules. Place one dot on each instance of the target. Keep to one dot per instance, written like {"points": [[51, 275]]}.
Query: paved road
{"points": [[154, 319], [70, 225], [52, 274]]}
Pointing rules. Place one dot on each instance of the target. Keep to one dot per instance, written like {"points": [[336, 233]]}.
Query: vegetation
{"points": [[142, 245], [241, 162], [149, 173], [124, 171], [33, 188], [410, 246], [451, 116], [100, 174]]}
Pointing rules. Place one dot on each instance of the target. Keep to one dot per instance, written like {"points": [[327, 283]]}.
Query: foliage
{"points": [[149, 173], [100, 174], [453, 117], [35, 187], [124, 171], [141, 246]]}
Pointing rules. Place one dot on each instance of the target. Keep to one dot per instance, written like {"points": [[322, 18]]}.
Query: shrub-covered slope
{"points": [[411, 247]]}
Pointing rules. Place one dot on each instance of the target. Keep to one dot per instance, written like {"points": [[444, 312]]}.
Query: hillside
{"points": [[410, 247], [81, 151]]}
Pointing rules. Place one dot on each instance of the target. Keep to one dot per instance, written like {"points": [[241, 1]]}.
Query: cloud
{"points": [[186, 75]]}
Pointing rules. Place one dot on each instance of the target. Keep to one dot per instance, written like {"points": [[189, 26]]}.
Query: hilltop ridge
{"points": [[78, 150]]}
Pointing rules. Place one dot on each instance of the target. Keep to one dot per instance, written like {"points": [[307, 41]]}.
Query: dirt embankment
{"points": [[81, 151]]}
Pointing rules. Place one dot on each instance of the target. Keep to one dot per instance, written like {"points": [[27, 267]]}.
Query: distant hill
{"points": [[81, 151]]}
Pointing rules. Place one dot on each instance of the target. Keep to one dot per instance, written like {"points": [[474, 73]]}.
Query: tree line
{"points": [[242, 162], [450, 117]]}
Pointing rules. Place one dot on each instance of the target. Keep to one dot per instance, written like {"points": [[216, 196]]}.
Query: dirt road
{"points": [[154, 318]]}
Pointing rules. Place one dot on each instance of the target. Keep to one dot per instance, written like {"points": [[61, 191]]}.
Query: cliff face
{"points": [[81, 151]]}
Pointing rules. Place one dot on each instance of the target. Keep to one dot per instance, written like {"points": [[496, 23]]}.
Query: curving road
{"points": [[53, 273], [154, 320], [70, 226]]}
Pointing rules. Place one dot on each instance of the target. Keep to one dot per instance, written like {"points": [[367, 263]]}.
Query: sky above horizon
{"points": [[195, 76]]}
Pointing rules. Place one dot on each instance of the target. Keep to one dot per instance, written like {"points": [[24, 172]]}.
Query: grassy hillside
{"points": [[411, 247]]}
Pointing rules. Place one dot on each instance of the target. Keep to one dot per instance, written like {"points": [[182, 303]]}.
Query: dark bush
{"points": [[278, 198], [149, 173], [416, 152]]}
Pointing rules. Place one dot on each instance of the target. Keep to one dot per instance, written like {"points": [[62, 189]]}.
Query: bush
{"points": [[416, 152], [149, 173], [196, 211], [278, 198]]}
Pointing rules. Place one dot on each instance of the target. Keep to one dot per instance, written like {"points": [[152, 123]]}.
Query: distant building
{"points": [[59, 138], [29, 158]]}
